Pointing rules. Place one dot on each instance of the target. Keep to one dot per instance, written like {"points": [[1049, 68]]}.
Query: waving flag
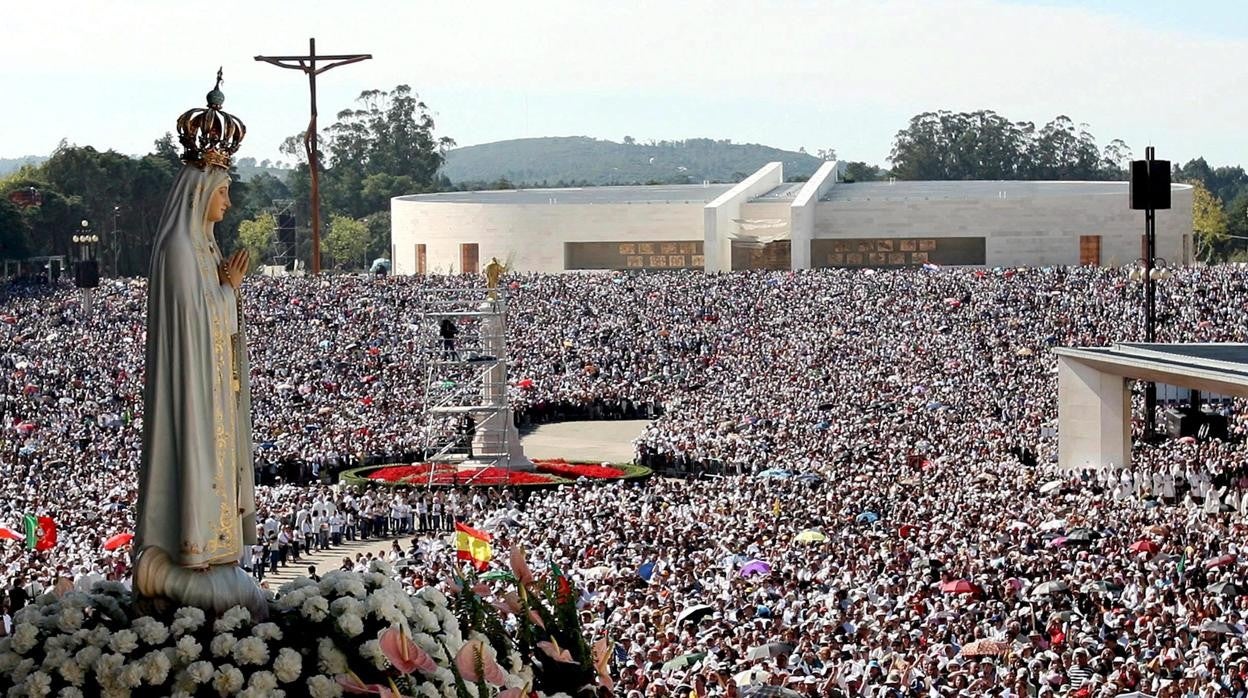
{"points": [[10, 533], [40, 532], [472, 546]]}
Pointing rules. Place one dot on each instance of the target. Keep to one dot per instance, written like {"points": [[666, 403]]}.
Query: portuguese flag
{"points": [[40, 532], [472, 546], [10, 533]]}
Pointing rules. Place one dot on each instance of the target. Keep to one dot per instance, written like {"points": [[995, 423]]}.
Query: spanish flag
{"points": [[473, 546]]}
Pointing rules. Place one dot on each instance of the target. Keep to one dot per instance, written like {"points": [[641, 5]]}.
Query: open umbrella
{"points": [[810, 535], [1220, 561], [809, 478], [1210, 626], [769, 650], [770, 691], [867, 517], [1063, 616], [777, 473], [1053, 525], [683, 661], [1225, 588], [1050, 588], [1050, 487], [755, 567], [1134, 694], [1057, 542], [496, 575], [751, 676], [958, 586], [694, 613], [118, 541], [1145, 546], [1082, 535], [985, 648], [1100, 587]]}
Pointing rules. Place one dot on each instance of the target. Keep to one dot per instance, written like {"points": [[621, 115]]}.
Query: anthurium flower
{"points": [[405, 655], [474, 664], [354, 684], [555, 652], [602, 660], [519, 566]]}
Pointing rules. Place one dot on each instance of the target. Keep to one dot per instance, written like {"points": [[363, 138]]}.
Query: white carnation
{"points": [[188, 648], [108, 666], [267, 631], [72, 672], [99, 637], [87, 656], [200, 672], [288, 665], [320, 686], [131, 675], [332, 661], [69, 619], [155, 667], [232, 620], [350, 624], [222, 644], [123, 641], [227, 679], [371, 651], [37, 684], [263, 680], [150, 630], [425, 620], [315, 609], [70, 692], [251, 650], [187, 619], [25, 637]]}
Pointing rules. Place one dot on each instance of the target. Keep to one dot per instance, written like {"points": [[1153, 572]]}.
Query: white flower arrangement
{"points": [[350, 632]]}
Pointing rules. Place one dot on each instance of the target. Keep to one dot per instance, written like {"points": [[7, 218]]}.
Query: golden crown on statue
{"points": [[210, 136]]}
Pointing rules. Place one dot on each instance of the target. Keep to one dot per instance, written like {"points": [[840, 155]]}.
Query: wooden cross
{"points": [[308, 64]]}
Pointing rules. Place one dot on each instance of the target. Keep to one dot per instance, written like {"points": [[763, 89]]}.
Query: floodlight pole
{"points": [[307, 64]]}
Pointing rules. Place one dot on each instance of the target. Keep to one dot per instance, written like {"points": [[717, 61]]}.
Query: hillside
{"points": [[8, 165], [580, 160], [247, 167]]}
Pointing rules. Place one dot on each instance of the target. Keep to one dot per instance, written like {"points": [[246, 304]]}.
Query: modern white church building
{"points": [[765, 223]]}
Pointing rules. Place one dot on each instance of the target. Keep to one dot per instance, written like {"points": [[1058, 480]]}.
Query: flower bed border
{"points": [[359, 477]]}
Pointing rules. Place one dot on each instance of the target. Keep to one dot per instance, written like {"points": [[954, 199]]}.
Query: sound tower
{"points": [[1150, 184]]}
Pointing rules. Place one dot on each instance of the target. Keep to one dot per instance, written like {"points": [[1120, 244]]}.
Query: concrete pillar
{"points": [[1094, 416], [802, 213], [496, 441]]}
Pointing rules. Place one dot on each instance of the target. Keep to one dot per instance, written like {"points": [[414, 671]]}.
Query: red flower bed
{"points": [[550, 471], [562, 468]]}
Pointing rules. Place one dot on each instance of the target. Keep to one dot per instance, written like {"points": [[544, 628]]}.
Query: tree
{"points": [[825, 153], [14, 232], [256, 235], [862, 172], [347, 241], [1209, 221]]}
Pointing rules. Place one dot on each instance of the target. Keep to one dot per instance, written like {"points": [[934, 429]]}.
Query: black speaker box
{"points": [[1150, 184]]}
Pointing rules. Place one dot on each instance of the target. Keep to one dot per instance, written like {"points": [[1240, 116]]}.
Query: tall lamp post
{"points": [[115, 243], [1149, 191]]}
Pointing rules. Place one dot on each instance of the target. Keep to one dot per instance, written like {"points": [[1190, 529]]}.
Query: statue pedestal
{"points": [[215, 589]]}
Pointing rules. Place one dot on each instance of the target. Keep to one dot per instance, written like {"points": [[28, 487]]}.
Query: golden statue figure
{"points": [[493, 273]]}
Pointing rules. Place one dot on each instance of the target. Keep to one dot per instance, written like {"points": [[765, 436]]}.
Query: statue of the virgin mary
{"points": [[196, 508]]}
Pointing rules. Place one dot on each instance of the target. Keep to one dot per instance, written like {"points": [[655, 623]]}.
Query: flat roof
{"points": [[1221, 362], [785, 192], [973, 189], [658, 193]]}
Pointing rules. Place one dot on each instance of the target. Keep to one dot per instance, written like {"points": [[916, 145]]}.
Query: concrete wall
{"points": [[1094, 416], [719, 214], [1019, 231], [802, 214], [533, 234]]}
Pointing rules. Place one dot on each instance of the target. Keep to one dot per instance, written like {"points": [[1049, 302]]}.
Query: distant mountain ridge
{"points": [[245, 171], [579, 160], [8, 165]]}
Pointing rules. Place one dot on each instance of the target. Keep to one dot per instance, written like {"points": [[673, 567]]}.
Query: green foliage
{"points": [[14, 232], [347, 241], [862, 172], [255, 236], [577, 161], [1209, 221], [985, 145]]}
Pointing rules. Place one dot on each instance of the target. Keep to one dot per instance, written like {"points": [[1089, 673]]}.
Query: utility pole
{"points": [[308, 64]]}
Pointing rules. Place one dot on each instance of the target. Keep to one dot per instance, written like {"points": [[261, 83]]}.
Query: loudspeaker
{"points": [[1150, 184], [1194, 423], [286, 228], [87, 274]]}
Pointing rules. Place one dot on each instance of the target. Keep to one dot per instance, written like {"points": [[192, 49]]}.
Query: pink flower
{"points": [[474, 664], [353, 684], [555, 652], [519, 566], [535, 619], [602, 659], [481, 589], [405, 655]]}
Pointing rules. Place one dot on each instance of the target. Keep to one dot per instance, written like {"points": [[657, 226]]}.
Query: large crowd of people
{"points": [[868, 503]]}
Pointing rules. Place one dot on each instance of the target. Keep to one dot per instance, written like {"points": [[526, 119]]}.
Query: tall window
{"points": [[1090, 250], [469, 257], [420, 258]]}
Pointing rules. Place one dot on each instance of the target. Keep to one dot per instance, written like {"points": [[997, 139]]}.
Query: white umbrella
{"points": [[1050, 487], [1053, 525]]}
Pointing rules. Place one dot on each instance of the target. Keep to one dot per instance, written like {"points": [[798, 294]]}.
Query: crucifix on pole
{"points": [[308, 64]]}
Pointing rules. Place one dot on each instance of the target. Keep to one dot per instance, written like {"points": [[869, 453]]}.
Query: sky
{"points": [[817, 74]]}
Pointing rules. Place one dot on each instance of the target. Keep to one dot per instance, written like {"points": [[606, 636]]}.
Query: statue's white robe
{"points": [[196, 478]]}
